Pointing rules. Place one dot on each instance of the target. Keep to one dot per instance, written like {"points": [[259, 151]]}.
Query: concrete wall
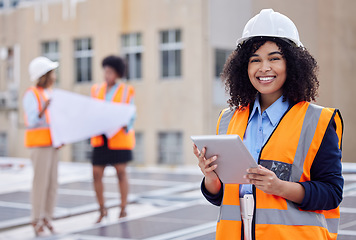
{"points": [[326, 27], [163, 105]]}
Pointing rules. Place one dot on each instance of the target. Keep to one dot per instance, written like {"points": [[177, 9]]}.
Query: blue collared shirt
{"points": [[109, 96], [30, 105], [259, 127]]}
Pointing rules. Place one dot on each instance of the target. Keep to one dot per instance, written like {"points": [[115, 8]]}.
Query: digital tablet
{"points": [[233, 156]]}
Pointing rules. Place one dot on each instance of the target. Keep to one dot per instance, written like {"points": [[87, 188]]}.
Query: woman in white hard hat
{"points": [[297, 188], [38, 137]]}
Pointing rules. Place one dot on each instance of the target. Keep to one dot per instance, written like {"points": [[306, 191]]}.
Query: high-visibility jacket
{"points": [[39, 135], [122, 140], [289, 152]]}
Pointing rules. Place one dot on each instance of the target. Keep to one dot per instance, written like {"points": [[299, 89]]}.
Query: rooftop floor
{"points": [[165, 203]]}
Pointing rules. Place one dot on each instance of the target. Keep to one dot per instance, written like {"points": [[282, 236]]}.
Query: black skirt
{"points": [[104, 156]]}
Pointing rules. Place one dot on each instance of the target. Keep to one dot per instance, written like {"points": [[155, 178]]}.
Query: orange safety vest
{"points": [[292, 147], [39, 135], [121, 140]]}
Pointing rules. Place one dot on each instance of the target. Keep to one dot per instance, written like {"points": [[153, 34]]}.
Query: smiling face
{"points": [[267, 71]]}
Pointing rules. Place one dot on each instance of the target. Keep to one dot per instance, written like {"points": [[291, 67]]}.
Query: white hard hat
{"points": [[269, 23], [40, 66]]}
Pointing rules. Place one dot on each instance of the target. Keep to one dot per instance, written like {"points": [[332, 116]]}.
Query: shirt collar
{"points": [[274, 112], [256, 108]]}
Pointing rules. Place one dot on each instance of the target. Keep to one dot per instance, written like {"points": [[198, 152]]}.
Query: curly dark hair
{"points": [[116, 63], [301, 83]]}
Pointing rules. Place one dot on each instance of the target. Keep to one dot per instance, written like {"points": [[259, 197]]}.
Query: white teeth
{"points": [[266, 78]]}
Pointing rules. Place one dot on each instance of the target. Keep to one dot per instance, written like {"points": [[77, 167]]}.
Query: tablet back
{"points": [[233, 156]]}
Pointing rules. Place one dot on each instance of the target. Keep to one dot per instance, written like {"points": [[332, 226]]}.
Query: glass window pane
{"points": [[77, 69], [3, 144], [138, 61], [133, 41], [88, 69], [178, 36], [165, 63], [127, 69], [81, 69], [81, 151], [46, 47], [139, 39], [14, 3], [56, 47], [138, 151], [170, 148], [178, 63], [220, 59], [164, 38], [84, 69], [219, 62], [124, 40], [78, 45], [87, 45]]}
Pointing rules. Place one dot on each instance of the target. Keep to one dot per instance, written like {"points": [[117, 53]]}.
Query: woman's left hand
{"points": [[268, 182], [265, 180]]}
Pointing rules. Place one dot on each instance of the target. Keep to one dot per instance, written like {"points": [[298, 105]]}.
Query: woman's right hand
{"points": [[44, 108], [212, 181], [47, 103]]}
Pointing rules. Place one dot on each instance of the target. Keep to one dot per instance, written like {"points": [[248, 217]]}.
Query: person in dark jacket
{"points": [[297, 188]]}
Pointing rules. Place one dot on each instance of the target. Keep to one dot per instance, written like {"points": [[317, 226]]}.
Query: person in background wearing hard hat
{"points": [[117, 150], [297, 188], [38, 137]]}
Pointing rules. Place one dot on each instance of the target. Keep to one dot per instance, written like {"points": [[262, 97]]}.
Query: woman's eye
{"points": [[275, 58], [254, 60]]}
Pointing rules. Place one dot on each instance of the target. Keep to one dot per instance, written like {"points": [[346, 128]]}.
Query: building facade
{"points": [[175, 50]]}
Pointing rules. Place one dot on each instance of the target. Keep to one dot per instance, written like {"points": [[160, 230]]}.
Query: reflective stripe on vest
{"points": [[304, 126], [121, 140], [292, 216], [39, 135]]}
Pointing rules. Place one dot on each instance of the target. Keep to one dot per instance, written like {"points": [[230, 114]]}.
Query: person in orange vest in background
{"points": [[296, 190], [38, 137], [117, 150]]}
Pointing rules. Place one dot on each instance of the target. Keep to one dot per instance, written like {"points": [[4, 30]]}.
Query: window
{"points": [[3, 144], [171, 53], [170, 148], [220, 59], [83, 54], [9, 3], [51, 51], [14, 3], [138, 151], [9, 97], [220, 97], [82, 151], [10, 65], [132, 50]]}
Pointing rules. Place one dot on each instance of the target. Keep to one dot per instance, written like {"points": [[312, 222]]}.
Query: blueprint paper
{"points": [[75, 117]]}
